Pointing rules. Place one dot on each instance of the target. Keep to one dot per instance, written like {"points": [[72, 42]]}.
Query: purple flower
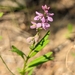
{"points": [[35, 25], [39, 16], [45, 8], [42, 19], [49, 16], [38, 25], [45, 26]]}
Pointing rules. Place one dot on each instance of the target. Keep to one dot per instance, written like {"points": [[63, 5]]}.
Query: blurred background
{"points": [[15, 28]]}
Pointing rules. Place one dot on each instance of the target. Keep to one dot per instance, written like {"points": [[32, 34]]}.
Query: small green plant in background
{"points": [[41, 22], [73, 54], [0, 37], [1, 14], [70, 30]]}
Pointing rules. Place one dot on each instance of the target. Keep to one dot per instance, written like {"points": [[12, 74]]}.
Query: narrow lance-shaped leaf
{"points": [[14, 49], [29, 68], [40, 60], [40, 45], [39, 48]]}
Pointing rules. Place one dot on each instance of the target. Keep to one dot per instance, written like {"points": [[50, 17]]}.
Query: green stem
{"points": [[6, 65], [25, 63]]}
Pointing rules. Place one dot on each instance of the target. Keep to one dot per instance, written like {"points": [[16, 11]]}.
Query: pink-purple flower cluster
{"points": [[42, 20]]}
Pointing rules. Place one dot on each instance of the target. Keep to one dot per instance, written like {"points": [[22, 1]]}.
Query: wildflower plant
{"points": [[70, 30], [41, 22]]}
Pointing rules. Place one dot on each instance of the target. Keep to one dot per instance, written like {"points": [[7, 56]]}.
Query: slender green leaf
{"points": [[1, 14], [14, 49], [41, 60], [40, 45], [29, 68], [38, 48]]}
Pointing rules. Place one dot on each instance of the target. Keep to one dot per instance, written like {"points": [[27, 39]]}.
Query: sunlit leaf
{"points": [[29, 68], [38, 48], [40, 45], [16, 50], [1, 14], [41, 60]]}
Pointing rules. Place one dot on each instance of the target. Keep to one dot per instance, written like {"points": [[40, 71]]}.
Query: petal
{"points": [[38, 25], [36, 18], [50, 14], [33, 23], [43, 26], [45, 7], [46, 20], [39, 14], [46, 11], [33, 26], [50, 18], [43, 19], [47, 25]]}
